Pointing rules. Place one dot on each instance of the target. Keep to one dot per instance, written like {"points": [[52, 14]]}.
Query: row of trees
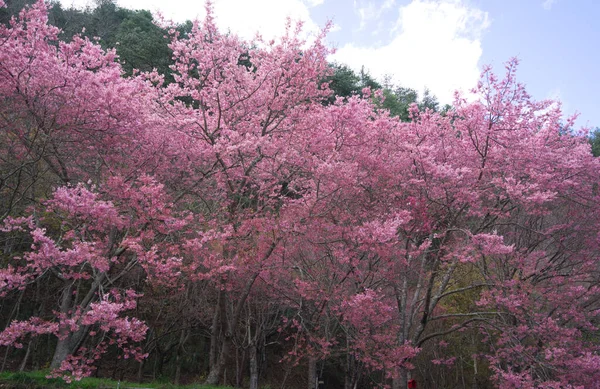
{"points": [[232, 214]]}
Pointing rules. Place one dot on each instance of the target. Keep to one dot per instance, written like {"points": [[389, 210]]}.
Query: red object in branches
{"points": [[412, 384]]}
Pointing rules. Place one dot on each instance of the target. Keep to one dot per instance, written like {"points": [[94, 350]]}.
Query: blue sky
{"points": [[558, 46], [438, 44]]}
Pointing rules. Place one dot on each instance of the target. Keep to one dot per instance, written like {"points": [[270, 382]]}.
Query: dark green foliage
{"points": [[595, 141], [101, 22], [142, 44], [71, 21], [366, 81], [344, 82], [12, 8], [429, 101], [139, 42], [398, 101]]}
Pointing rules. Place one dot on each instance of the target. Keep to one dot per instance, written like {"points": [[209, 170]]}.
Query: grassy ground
{"points": [[38, 380]]}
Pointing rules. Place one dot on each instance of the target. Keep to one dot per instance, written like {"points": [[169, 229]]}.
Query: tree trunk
{"points": [[24, 363], [5, 359], [217, 361], [178, 360], [232, 326], [216, 370], [241, 368], [177, 369], [140, 372], [69, 342], [62, 350], [401, 381], [352, 374], [64, 336], [253, 368], [312, 373], [67, 346], [215, 330]]}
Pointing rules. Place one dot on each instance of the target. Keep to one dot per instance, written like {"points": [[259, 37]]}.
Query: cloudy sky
{"points": [[438, 44]]}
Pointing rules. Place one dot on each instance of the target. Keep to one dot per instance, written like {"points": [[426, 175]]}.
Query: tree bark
{"points": [[63, 347], [312, 373], [26, 357], [215, 330], [178, 360], [140, 372], [69, 342], [401, 381], [62, 350], [217, 360], [253, 368], [232, 325], [351, 376]]}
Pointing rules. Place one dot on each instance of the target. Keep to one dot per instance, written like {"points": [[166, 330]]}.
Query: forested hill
{"points": [[199, 209]]}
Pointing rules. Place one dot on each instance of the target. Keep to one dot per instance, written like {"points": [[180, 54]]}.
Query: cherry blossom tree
{"points": [[67, 114], [363, 238], [68, 118], [480, 202], [241, 114], [90, 249]]}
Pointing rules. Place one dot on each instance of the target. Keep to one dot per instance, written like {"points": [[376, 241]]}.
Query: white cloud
{"points": [[266, 16], [547, 4], [559, 99], [368, 11], [435, 44], [314, 3], [242, 17]]}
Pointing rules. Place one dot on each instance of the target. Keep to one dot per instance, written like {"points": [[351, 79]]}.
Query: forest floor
{"points": [[38, 380]]}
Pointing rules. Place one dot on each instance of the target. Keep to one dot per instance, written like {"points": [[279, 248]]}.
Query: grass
{"points": [[38, 380]]}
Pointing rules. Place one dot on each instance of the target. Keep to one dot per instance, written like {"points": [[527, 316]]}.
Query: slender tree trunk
{"points": [[5, 358], [182, 339], [396, 383], [140, 372], [241, 367], [312, 373], [24, 363], [253, 368], [288, 369], [218, 360], [177, 370], [474, 386], [215, 330], [350, 373], [13, 314], [155, 364]]}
